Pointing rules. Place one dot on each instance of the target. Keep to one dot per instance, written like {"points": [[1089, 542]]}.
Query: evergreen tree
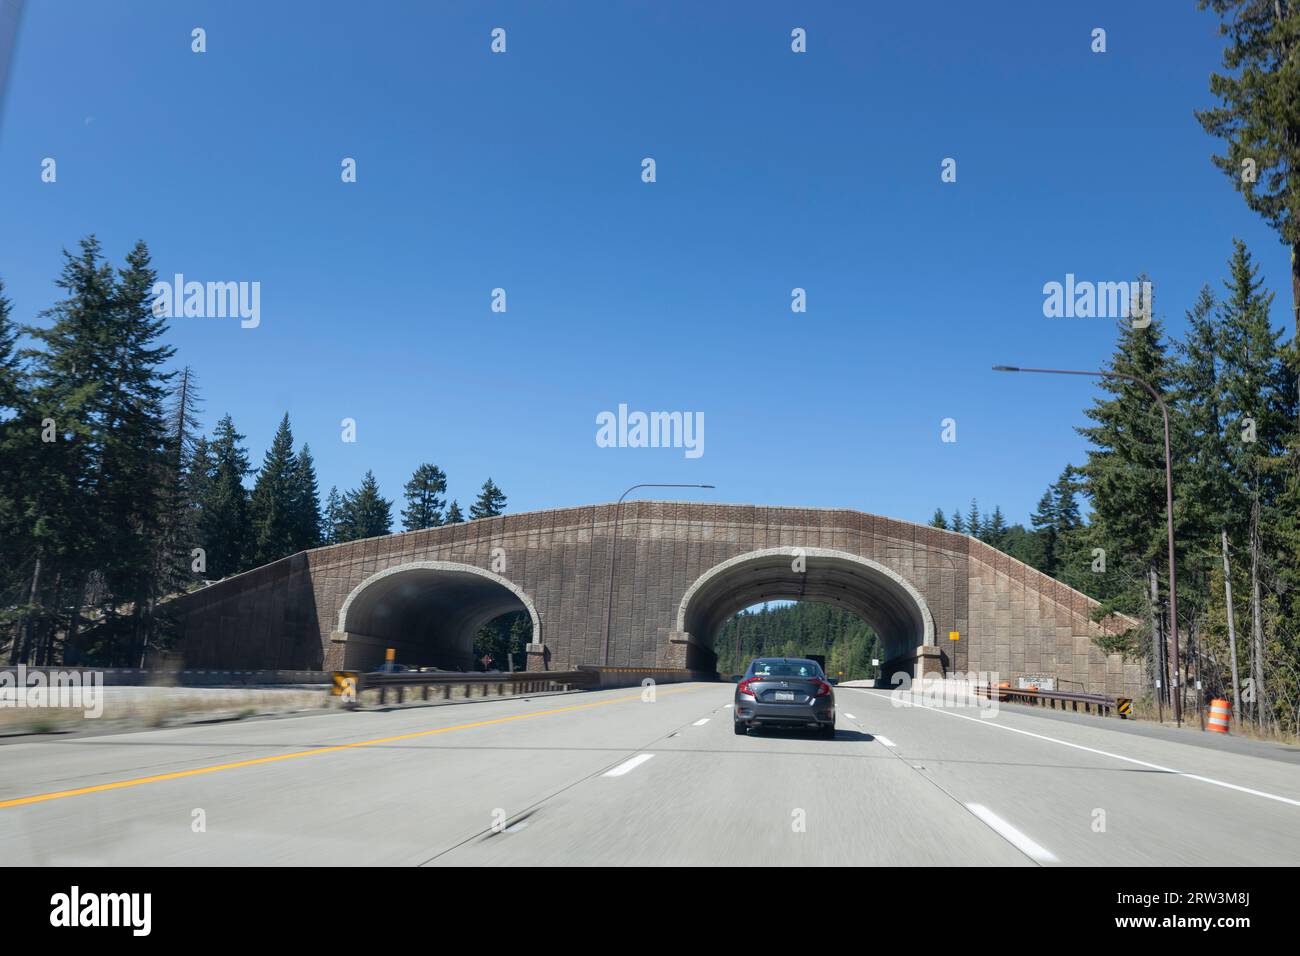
{"points": [[1260, 408], [974, 523], [1043, 521], [224, 529], [1259, 117], [1125, 474], [424, 503], [491, 502], [308, 524], [333, 517], [274, 507], [453, 514], [366, 514], [957, 522], [939, 521], [995, 531], [99, 386]]}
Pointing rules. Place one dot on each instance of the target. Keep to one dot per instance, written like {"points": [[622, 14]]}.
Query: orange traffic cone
{"points": [[1220, 715]]}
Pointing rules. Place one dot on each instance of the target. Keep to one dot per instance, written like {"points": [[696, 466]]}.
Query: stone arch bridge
{"points": [[679, 571]]}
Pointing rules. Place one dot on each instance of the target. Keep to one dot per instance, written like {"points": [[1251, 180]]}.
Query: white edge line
{"points": [[886, 741], [1105, 753], [627, 765], [1013, 836]]}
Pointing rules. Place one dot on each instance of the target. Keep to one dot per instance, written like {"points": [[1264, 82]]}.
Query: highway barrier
{"points": [[349, 685], [1220, 715], [1059, 699]]}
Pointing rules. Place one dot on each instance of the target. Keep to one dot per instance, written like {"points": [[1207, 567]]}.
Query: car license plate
{"points": [[785, 695]]}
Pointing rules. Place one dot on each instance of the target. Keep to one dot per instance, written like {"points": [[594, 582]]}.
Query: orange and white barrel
{"points": [[1220, 716]]}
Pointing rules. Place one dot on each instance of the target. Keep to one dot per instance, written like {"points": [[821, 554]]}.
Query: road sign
{"points": [[954, 635], [345, 686], [1124, 705]]}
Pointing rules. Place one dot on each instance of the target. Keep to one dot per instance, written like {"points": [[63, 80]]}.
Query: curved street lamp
{"points": [[613, 555], [1176, 689]]}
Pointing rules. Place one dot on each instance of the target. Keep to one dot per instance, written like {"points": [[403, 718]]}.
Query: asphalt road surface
{"points": [[606, 778]]}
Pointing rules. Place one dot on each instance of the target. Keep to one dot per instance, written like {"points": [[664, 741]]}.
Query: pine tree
{"points": [[424, 503], [939, 521], [1259, 406], [974, 523], [273, 508], [308, 530], [333, 517], [1043, 521], [366, 514], [491, 502], [1125, 475], [225, 533], [1258, 117], [957, 522], [995, 531], [454, 515]]}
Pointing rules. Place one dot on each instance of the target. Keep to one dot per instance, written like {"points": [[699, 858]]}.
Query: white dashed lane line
{"points": [[628, 765], [849, 716], [1024, 844], [886, 741], [700, 722]]}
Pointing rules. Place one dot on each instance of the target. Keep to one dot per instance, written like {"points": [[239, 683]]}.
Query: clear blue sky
{"points": [[522, 171]]}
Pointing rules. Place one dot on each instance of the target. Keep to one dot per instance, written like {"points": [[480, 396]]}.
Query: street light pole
{"points": [[1176, 688], [613, 555]]}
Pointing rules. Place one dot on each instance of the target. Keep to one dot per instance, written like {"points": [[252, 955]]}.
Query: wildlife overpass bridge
{"points": [[679, 571]]}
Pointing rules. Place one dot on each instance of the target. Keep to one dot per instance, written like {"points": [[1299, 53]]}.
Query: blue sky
{"points": [[522, 171]]}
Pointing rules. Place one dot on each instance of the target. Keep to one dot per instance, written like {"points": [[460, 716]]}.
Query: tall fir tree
{"points": [[1125, 475], [309, 529], [424, 501], [454, 515], [1258, 117], [273, 508], [366, 513], [225, 532], [332, 519], [491, 502]]}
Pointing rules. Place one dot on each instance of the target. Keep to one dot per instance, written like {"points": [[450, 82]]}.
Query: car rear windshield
{"points": [[784, 669]]}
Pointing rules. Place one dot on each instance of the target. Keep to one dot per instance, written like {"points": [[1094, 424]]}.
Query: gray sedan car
{"points": [[784, 692]]}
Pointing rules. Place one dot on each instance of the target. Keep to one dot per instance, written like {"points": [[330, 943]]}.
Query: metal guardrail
{"points": [[1059, 699], [517, 682]]}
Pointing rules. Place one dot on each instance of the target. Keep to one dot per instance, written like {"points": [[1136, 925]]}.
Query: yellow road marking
{"points": [[176, 775]]}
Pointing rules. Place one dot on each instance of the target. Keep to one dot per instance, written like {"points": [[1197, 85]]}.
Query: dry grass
{"points": [[161, 706]]}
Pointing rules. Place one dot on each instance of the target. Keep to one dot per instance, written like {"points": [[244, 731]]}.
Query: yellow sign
{"points": [[954, 635], [1124, 705], [390, 654], [345, 686]]}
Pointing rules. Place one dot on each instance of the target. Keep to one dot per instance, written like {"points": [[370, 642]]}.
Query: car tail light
{"points": [[743, 686], [823, 689]]}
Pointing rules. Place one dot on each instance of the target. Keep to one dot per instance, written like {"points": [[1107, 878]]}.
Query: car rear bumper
{"points": [[820, 711]]}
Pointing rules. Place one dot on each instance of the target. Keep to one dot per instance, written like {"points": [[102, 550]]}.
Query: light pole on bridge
{"points": [[1176, 690], [613, 554]]}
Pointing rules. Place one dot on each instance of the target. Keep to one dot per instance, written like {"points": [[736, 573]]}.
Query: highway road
{"points": [[606, 778]]}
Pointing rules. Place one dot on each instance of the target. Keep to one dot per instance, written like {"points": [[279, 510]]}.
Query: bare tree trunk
{"points": [[1157, 662], [1232, 630], [20, 655], [1257, 619]]}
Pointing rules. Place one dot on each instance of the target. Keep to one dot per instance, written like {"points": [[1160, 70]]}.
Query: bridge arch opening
{"points": [[429, 612], [875, 593]]}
